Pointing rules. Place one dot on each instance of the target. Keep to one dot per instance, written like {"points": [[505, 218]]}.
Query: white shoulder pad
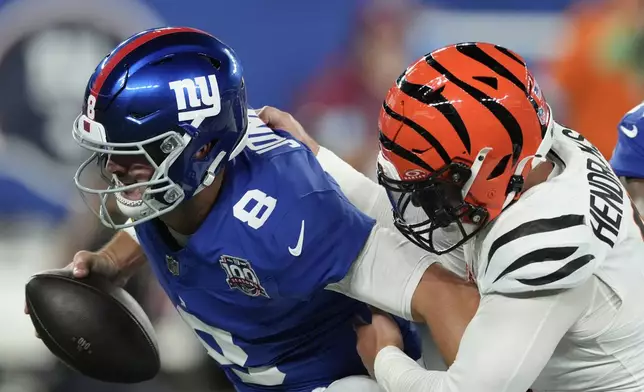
{"points": [[560, 231], [534, 246]]}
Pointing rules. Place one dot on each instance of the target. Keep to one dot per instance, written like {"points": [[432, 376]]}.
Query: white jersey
{"points": [[577, 226], [561, 275], [579, 220]]}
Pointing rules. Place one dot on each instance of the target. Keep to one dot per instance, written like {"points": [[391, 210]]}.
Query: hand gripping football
{"points": [[93, 326]]}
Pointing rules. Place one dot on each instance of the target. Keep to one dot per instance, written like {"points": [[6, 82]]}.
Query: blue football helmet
{"points": [[163, 94], [628, 156]]}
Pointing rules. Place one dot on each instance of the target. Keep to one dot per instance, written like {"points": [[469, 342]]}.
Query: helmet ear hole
{"points": [[203, 151]]}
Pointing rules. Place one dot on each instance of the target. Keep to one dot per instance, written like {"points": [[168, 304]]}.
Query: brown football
{"points": [[93, 326]]}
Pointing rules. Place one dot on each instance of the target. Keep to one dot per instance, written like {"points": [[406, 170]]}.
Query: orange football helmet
{"points": [[457, 132]]}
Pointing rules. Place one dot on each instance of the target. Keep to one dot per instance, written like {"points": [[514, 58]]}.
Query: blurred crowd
{"points": [[588, 54]]}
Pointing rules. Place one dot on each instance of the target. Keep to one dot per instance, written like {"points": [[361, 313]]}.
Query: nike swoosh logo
{"points": [[298, 248], [632, 133]]}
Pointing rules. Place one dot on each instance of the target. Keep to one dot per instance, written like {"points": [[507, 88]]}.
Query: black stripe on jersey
{"points": [[535, 227], [561, 273], [420, 130], [509, 54], [506, 118], [538, 256], [435, 99], [477, 54]]}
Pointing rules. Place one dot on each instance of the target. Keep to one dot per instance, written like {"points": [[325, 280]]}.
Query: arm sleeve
{"points": [[368, 196], [316, 242], [514, 336], [386, 272]]}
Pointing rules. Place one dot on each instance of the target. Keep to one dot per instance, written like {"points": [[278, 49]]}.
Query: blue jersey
{"points": [[628, 156], [251, 280]]}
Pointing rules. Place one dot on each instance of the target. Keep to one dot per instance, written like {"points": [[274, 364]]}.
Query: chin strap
{"points": [[516, 182], [210, 176]]}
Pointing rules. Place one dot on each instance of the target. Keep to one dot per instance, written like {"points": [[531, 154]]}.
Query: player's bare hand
{"points": [[85, 262], [278, 119], [372, 338]]}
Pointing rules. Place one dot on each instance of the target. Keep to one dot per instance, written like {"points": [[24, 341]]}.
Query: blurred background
{"points": [[329, 62]]}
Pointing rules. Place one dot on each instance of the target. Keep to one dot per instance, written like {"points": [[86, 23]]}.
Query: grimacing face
{"points": [[128, 170]]}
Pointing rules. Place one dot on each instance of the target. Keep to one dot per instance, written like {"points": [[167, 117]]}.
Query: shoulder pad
{"points": [[527, 249]]}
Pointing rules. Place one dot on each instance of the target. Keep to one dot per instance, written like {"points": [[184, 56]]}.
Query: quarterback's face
{"points": [[127, 170]]}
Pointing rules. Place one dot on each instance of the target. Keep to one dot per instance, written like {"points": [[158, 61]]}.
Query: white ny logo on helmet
{"points": [[206, 104]]}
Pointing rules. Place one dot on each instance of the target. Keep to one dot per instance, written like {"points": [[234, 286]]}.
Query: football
{"points": [[93, 326]]}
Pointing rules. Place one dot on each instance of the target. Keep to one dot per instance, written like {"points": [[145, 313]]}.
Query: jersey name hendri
{"points": [[606, 192]]}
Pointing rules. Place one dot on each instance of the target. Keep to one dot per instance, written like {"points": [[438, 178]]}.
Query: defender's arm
{"points": [[390, 272], [398, 277], [504, 349], [368, 196]]}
